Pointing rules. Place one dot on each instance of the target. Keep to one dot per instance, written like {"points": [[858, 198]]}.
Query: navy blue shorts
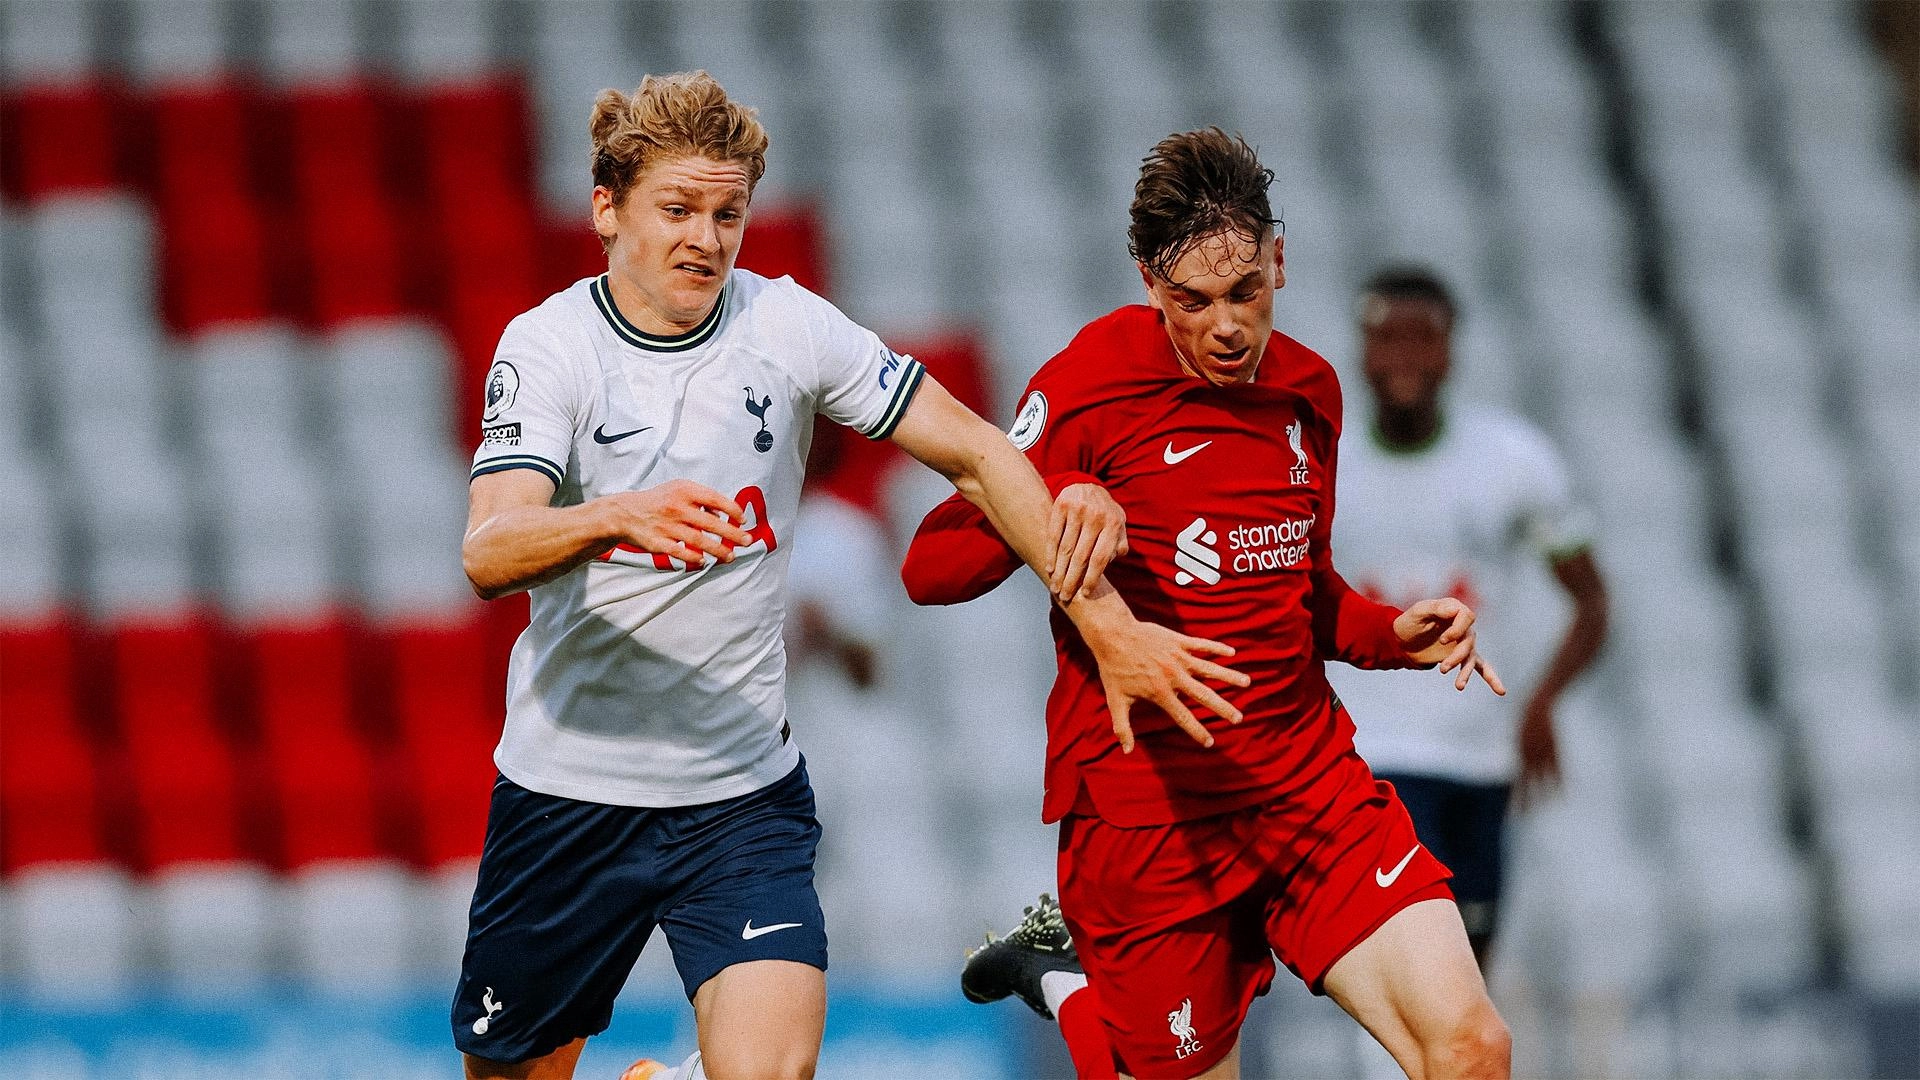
{"points": [[569, 892], [1466, 826]]}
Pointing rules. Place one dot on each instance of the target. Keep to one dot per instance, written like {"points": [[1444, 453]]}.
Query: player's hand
{"points": [[679, 519], [1148, 662], [1539, 755], [1089, 531], [1441, 632]]}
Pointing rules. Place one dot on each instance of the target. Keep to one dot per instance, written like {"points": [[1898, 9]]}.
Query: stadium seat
{"points": [[474, 139], [311, 44], [220, 266], [181, 42], [184, 784], [60, 137], [576, 50], [215, 926], [94, 251], [444, 43], [33, 532], [50, 787], [313, 743], [202, 141], [354, 267], [447, 717], [354, 926], [133, 512], [336, 137], [72, 932]]}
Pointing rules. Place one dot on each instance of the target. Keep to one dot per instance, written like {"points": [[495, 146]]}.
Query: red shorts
{"points": [[1178, 925]]}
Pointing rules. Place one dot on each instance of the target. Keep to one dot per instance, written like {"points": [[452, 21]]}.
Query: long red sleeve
{"points": [[956, 555], [1347, 626]]}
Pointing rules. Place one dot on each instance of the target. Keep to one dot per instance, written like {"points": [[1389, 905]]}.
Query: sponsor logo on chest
{"points": [[1253, 548]]}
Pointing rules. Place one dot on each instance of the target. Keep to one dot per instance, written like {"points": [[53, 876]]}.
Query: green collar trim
{"points": [[633, 335]]}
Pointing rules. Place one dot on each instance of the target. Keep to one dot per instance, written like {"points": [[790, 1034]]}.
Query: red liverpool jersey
{"points": [[1228, 493]]}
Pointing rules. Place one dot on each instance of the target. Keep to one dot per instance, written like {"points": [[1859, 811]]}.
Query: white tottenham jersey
{"points": [[642, 681], [1458, 517]]}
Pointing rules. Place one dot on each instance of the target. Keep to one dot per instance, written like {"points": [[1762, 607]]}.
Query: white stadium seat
{"points": [[311, 44], [72, 932], [50, 43], [214, 926], [445, 40], [178, 42], [352, 928]]}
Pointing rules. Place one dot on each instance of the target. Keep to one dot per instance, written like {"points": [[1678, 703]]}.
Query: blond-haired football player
{"points": [[639, 470]]}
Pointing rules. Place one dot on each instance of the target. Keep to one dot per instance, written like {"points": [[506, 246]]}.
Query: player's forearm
{"points": [[998, 479], [518, 548], [1578, 648]]}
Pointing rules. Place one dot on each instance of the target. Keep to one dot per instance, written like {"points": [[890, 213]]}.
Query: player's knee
{"points": [[1476, 1045]]}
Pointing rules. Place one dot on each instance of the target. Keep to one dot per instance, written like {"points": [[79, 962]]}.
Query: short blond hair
{"points": [[685, 113]]}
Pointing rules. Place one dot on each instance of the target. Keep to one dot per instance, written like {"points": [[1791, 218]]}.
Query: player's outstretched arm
{"points": [[515, 540], [1138, 661], [1441, 632], [983, 465], [955, 556]]}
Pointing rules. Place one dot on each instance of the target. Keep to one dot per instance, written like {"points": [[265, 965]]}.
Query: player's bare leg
{"points": [[761, 1020], [1414, 984], [555, 1066]]}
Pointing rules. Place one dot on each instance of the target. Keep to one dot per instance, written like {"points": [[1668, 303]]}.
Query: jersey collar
{"points": [[633, 335]]}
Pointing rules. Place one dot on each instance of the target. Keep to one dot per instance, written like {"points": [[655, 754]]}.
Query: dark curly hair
{"points": [[1410, 283], [1192, 185]]}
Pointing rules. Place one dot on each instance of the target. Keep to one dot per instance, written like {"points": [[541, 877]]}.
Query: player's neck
{"points": [[1408, 431], [633, 304]]}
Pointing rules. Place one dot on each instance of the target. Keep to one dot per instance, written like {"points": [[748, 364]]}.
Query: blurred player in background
{"points": [[1408, 528], [640, 470], [1190, 857]]}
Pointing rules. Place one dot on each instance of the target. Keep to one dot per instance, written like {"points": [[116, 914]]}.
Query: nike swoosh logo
{"points": [[753, 931], [1175, 459], [1385, 879], [600, 434]]}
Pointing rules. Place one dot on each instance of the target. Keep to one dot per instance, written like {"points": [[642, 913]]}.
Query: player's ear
{"points": [[1153, 295], [606, 221]]}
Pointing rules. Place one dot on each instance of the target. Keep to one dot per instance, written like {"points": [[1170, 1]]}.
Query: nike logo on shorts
{"points": [[1384, 878], [1172, 458], [600, 434], [753, 931]]}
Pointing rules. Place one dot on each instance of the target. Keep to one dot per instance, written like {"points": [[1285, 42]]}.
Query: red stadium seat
{"points": [[336, 141], [448, 722], [58, 138], [317, 758], [49, 780], [473, 138], [202, 141], [475, 318], [185, 782], [354, 259], [217, 263], [784, 240], [573, 252]]}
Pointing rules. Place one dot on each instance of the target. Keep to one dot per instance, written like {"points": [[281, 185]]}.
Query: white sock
{"points": [[690, 1069], [1057, 986]]}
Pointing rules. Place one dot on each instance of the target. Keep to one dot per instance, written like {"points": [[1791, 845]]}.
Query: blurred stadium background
{"points": [[254, 254]]}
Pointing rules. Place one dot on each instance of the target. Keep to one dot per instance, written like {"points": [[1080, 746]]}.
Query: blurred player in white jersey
{"points": [[640, 469], [1409, 528]]}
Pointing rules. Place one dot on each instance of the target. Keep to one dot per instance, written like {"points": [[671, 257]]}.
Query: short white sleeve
{"points": [[1552, 522], [530, 406], [857, 380]]}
